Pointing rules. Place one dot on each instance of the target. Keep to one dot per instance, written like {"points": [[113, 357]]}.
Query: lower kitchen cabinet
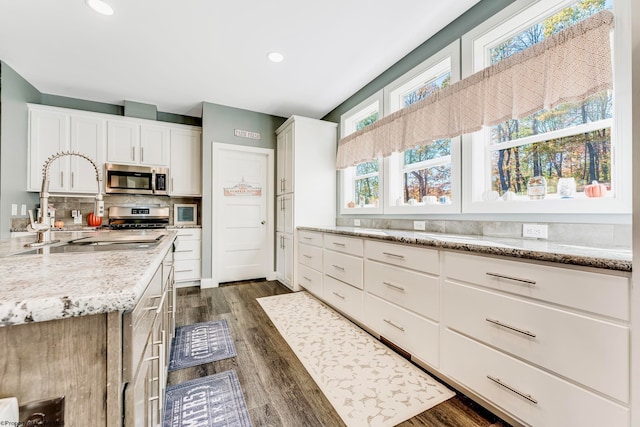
{"points": [[188, 257], [540, 344], [528, 393], [148, 331]]}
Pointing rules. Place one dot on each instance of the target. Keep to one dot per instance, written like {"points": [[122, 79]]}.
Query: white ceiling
{"points": [[177, 53]]}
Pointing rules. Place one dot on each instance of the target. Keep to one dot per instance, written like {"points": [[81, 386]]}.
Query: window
{"points": [[361, 184], [424, 179], [550, 159]]}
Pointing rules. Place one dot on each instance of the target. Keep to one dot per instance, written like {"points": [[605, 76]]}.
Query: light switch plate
{"points": [[14, 209], [356, 223], [419, 225], [23, 210], [538, 231]]}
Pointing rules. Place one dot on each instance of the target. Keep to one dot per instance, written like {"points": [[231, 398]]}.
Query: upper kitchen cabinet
{"points": [[284, 167], [131, 142], [52, 130], [186, 164]]}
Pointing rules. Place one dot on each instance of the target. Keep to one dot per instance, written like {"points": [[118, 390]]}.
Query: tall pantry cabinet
{"points": [[305, 187]]}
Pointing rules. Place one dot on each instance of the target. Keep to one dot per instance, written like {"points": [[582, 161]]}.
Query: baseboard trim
{"points": [[206, 283]]}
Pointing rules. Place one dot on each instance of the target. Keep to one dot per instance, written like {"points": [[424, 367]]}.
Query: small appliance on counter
{"points": [[138, 217]]}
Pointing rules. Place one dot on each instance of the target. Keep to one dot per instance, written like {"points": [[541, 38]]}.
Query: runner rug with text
{"points": [[201, 343]]}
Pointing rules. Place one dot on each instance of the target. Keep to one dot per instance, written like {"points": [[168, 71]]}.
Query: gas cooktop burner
{"points": [[137, 217]]}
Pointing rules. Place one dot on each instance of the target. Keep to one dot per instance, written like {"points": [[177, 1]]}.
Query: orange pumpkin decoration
{"points": [[94, 221], [595, 190]]}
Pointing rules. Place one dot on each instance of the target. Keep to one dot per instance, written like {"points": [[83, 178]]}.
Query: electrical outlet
{"points": [[14, 209], [356, 223], [419, 225], [538, 231]]}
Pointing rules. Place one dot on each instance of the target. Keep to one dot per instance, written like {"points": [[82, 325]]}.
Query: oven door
{"points": [[126, 179]]}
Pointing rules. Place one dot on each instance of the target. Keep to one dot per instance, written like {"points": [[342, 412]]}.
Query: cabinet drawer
{"points": [[310, 256], [344, 297], [310, 279], [343, 267], [348, 245], [559, 403], [187, 270], [187, 249], [596, 292], [310, 238], [421, 259], [592, 352], [414, 291], [190, 234], [413, 333]]}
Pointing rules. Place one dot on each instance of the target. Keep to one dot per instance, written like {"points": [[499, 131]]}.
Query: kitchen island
{"points": [[67, 322]]}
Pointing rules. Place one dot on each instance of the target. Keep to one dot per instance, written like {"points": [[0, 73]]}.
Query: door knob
{"points": [[263, 222]]}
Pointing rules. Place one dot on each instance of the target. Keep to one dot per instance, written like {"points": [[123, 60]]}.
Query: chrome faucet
{"points": [[43, 227]]}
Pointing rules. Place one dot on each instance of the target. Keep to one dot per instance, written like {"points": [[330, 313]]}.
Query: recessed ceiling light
{"points": [[100, 7], [275, 57]]}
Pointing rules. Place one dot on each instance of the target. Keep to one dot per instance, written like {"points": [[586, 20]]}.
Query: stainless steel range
{"points": [[137, 217]]}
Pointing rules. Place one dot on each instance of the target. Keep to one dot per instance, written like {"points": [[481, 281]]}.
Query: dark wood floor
{"points": [[277, 388]]}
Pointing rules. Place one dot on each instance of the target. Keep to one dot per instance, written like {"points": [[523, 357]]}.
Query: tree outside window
{"points": [[537, 145]]}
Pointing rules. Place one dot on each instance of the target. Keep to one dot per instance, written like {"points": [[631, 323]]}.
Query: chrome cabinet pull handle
{"points": [[515, 279], [393, 324], [307, 238], [307, 256], [391, 285], [339, 244], [133, 153], [72, 183], [61, 178], [307, 279], [338, 295], [337, 267], [504, 325], [516, 391], [393, 255], [142, 154], [172, 187]]}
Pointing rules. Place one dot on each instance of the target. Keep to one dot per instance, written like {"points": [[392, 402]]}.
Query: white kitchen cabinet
{"points": [[132, 142], [188, 257], [305, 185], [52, 130], [186, 163], [310, 255], [540, 335], [284, 214], [284, 259], [284, 168], [541, 344]]}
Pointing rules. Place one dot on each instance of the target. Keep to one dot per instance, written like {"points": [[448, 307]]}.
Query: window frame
{"points": [[476, 147], [394, 167], [347, 176]]}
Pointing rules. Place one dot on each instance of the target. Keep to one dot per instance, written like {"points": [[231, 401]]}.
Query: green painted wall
{"points": [[469, 20], [15, 93], [218, 125]]}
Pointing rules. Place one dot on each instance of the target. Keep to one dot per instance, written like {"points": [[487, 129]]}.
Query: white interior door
{"points": [[243, 213]]}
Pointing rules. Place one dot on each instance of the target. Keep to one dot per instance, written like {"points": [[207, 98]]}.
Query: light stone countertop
{"points": [[41, 287], [611, 258]]}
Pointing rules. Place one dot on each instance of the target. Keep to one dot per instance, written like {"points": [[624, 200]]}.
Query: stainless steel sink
{"points": [[97, 244]]}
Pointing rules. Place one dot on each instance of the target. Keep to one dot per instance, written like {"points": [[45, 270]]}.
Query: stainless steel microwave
{"points": [[130, 179]]}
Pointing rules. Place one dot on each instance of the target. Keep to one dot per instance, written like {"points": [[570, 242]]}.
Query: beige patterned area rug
{"points": [[367, 383]]}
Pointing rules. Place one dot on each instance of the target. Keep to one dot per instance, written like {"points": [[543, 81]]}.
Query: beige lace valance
{"points": [[569, 66]]}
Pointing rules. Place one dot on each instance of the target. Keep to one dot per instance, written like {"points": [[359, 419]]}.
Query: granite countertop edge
{"points": [[617, 259], [38, 288]]}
